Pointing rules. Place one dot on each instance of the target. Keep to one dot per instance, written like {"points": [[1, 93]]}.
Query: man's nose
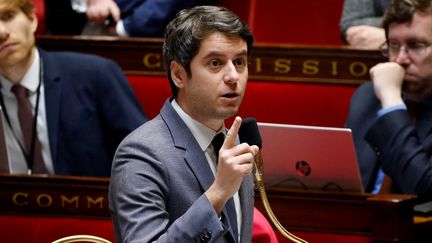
{"points": [[4, 32], [231, 74], [402, 56]]}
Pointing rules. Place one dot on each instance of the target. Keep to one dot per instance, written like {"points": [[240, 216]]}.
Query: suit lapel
{"points": [[52, 88], [183, 139], [197, 162], [194, 156]]}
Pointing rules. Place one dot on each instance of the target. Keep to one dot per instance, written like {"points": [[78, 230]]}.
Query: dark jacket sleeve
{"points": [[119, 106], [403, 156], [148, 18]]}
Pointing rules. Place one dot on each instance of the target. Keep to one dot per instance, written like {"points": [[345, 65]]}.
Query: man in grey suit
{"points": [[168, 184]]}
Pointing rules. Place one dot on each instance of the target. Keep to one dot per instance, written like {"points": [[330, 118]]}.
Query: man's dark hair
{"points": [[183, 35], [402, 11]]}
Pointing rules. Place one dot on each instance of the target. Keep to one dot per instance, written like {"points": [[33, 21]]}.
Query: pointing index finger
{"points": [[231, 137]]}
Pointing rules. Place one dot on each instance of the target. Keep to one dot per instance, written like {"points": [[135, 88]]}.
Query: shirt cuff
{"points": [[387, 110], [378, 182], [120, 29]]}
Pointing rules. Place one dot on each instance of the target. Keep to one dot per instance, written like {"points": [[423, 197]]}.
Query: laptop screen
{"points": [[309, 157]]}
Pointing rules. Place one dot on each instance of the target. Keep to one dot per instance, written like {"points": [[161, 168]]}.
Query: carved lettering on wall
{"points": [[290, 68], [73, 202], [310, 67], [152, 60], [98, 202], [258, 67], [269, 62], [20, 199], [358, 69], [46, 200], [282, 65], [334, 66]]}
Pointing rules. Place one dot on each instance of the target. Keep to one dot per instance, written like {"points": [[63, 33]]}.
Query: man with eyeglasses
{"points": [[391, 116]]}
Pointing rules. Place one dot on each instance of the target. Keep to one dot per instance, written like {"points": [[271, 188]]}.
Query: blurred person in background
{"points": [[360, 24], [64, 113], [391, 116], [134, 18]]}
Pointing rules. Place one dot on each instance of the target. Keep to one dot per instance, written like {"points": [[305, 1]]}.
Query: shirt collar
{"points": [[30, 81], [202, 133]]}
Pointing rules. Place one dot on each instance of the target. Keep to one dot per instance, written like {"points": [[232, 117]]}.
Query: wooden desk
{"points": [[387, 218]]}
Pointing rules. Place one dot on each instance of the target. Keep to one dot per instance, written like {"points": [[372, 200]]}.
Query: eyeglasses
{"points": [[412, 49]]}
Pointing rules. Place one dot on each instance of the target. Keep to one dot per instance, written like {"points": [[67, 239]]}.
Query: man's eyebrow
{"points": [[220, 54], [7, 12], [242, 53]]}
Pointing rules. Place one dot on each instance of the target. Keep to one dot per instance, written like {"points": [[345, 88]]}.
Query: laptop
{"points": [[309, 157], [4, 161]]}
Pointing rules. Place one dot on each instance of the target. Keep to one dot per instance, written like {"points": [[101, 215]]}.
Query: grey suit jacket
{"points": [[158, 179], [362, 12]]}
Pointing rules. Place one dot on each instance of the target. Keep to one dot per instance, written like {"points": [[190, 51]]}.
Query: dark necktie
{"points": [[217, 143], [26, 119], [229, 206]]}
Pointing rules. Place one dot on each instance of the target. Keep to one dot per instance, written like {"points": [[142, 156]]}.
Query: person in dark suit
{"points": [[83, 104], [391, 117], [168, 183], [134, 18]]}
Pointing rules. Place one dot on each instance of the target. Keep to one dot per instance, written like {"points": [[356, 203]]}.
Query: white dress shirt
{"points": [[17, 161]]}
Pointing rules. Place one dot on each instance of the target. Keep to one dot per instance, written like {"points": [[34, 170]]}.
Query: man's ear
{"points": [[178, 74], [34, 22]]}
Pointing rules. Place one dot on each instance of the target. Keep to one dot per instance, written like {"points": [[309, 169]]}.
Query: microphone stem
{"points": [[260, 183]]}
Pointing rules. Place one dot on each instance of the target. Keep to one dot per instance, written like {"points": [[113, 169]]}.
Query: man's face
{"points": [[216, 86], [16, 36], [417, 59]]}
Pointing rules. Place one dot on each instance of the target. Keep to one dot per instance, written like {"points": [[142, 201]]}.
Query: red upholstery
{"points": [[151, 92], [262, 229], [299, 22], [243, 8], [36, 229], [297, 103], [325, 238], [40, 14], [278, 102]]}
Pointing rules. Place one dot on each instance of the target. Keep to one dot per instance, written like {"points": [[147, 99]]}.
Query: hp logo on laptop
{"points": [[303, 168]]}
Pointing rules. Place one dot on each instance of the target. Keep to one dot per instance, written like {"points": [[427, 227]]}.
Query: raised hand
{"points": [[387, 80], [235, 162]]}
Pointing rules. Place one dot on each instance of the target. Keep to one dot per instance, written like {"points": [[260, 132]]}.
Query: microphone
{"points": [[249, 133]]}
